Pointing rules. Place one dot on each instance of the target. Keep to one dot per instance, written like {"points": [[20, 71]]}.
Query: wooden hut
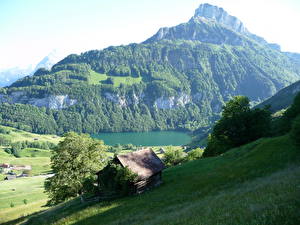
{"points": [[146, 164], [10, 177]]}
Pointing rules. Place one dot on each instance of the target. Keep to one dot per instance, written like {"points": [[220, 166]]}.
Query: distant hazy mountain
{"points": [[178, 79], [10, 75], [294, 56], [50, 60]]}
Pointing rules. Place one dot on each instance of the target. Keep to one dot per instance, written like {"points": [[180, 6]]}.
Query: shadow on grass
{"points": [[60, 211], [21, 220]]}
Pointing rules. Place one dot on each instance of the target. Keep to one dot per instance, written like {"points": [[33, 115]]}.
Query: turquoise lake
{"points": [[153, 138]]}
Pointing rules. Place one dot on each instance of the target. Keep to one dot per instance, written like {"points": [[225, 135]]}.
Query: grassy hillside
{"points": [[254, 184], [39, 159], [13, 193], [16, 135]]}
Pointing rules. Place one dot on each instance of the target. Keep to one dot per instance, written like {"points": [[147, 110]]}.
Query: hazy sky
{"points": [[31, 29]]}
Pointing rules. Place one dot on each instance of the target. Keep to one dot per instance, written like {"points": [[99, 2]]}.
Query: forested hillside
{"points": [[177, 81]]}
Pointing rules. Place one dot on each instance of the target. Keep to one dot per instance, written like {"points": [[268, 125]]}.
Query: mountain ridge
{"points": [[282, 99], [179, 82], [207, 14]]}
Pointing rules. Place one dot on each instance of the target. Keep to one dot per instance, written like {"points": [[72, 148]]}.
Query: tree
{"points": [[290, 114], [238, 125], [16, 148], [295, 131], [76, 159]]}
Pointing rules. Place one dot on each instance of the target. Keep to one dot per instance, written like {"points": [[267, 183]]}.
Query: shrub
{"points": [[194, 154], [4, 130], [25, 201], [173, 157], [117, 180]]}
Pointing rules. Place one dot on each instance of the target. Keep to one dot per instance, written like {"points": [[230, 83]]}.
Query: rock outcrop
{"points": [[219, 15], [172, 102], [51, 101]]}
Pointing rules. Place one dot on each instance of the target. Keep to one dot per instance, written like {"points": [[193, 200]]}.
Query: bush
{"points": [[295, 131], [16, 149], [4, 130], [194, 154], [116, 180], [173, 157], [27, 172]]}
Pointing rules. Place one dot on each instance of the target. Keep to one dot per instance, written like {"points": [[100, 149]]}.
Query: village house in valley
{"points": [[9, 170], [146, 164]]}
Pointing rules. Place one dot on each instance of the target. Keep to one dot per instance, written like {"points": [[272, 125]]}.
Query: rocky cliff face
{"points": [[51, 101], [163, 102], [172, 102], [219, 15], [124, 100], [201, 27]]}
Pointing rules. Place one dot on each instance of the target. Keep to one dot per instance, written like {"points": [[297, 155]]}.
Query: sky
{"points": [[31, 29]]}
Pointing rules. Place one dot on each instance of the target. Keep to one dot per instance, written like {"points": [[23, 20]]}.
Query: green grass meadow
{"points": [[256, 184], [97, 78], [16, 135], [13, 193]]}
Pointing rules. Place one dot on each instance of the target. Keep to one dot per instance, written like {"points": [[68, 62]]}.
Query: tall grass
{"points": [[14, 192]]}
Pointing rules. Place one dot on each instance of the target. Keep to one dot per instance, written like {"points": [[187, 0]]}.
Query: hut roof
{"points": [[144, 163], [10, 177]]}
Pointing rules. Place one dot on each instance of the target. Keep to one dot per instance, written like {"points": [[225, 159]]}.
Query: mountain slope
{"points": [[178, 81], [253, 184], [283, 99]]}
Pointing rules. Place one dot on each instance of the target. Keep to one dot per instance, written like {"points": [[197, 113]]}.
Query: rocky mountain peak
{"points": [[219, 15]]}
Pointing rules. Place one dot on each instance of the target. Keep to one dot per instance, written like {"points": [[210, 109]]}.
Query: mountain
{"points": [[294, 56], [51, 59], [283, 99], [9, 76], [177, 79], [204, 27]]}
